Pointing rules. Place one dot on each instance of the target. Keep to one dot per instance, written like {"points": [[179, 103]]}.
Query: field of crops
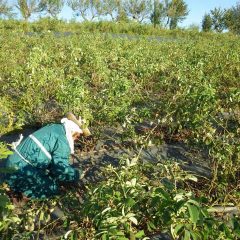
{"points": [[189, 90]]}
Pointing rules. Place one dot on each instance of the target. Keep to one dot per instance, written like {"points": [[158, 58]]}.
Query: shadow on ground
{"points": [[109, 149]]}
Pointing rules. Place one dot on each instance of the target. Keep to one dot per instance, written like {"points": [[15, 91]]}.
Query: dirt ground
{"points": [[109, 148]]}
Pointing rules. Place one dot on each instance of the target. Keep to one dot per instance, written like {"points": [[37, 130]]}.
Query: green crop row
{"points": [[190, 88], [186, 85], [135, 201]]}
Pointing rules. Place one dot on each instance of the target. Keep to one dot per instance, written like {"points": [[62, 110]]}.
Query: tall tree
{"points": [[138, 9], [110, 7], [51, 7], [87, 9], [207, 23], [121, 13], [177, 12], [218, 19], [28, 7], [158, 13], [232, 19], [5, 9]]}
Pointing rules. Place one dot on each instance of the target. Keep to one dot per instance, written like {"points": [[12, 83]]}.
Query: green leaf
{"points": [[130, 202], [155, 201], [204, 212], [67, 234], [195, 236], [120, 233], [194, 202], [163, 193], [178, 228], [105, 210], [140, 234], [193, 178], [41, 215], [132, 236], [167, 184], [104, 237], [194, 213], [151, 226], [3, 200], [117, 194], [15, 219], [133, 220], [111, 220], [186, 235], [234, 223]]}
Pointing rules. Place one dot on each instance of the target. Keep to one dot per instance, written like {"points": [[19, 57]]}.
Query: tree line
{"points": [[222, 19], [163, 13], [167, 13]]}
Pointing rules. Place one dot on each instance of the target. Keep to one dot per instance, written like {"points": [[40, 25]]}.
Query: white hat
{"points": [[70, 128]]}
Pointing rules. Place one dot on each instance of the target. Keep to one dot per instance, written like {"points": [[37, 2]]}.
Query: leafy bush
{"points": [[189, 88], [132, 205], [8, 220]]}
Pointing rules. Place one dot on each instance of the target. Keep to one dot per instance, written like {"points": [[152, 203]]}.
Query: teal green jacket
{"points": [[40, 176]]}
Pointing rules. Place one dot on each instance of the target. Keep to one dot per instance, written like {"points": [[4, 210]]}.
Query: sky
{"points": [[197, 9]]}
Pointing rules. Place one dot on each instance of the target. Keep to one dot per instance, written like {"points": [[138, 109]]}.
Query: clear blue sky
{"points": [[197, 9]]}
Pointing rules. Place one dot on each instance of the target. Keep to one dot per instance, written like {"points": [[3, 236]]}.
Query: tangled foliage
{"points": [[189, 87], [137, 200], [192, 86], [8, 219]]}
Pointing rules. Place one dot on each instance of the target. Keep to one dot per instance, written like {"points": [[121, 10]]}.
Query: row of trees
{"points": [[29, 7], [221, 19], [167, 13]]}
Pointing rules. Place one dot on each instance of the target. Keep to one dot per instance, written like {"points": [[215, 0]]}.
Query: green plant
{"points": [[8, 219], [131, 205], [188, 87]]}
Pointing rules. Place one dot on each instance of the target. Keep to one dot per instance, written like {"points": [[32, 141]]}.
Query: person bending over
{"points": [[41, 161]]}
